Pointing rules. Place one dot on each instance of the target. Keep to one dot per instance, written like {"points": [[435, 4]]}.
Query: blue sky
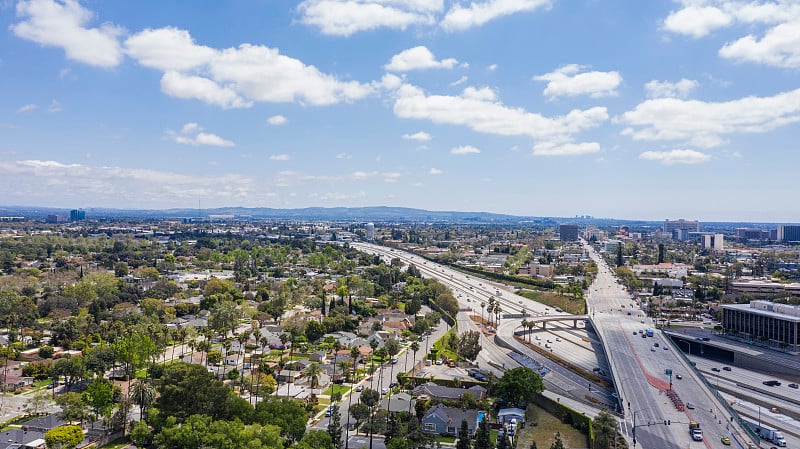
{"points": [[615, 108]]}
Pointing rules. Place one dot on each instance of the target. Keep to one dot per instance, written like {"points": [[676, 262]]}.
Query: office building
{"points": [[788, 233], [752, 234], [568, 232], [55, 219], [712, 242], [670, 226], [370, 232], [77, 215], [774, 324]]}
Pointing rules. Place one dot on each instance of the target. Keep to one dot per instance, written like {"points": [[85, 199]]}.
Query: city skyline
{"points": [[649, 110]]}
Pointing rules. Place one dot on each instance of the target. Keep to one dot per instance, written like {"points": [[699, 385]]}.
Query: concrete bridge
{"points": [[548, 318]]}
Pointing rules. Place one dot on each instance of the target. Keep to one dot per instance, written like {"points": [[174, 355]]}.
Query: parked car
{"points": [[360, 388]]}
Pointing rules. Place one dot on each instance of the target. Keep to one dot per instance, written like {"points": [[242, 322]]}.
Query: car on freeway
{"points": [[635, 333], [793, 386], [726, 368], [653, 348], [678, 376], [726, 441], [558, 339], [548, 345], [715, 369], [690, 406]]}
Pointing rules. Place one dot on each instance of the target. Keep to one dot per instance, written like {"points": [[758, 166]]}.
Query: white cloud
{"points": [[236, 77], [704, 124], [391, 177], [63, 24], [487, 116], [779, 47], [361, 175], [478, 13], [167, 49], [279, 157], [27, 108], [344, 156], [434, 171], [55, 106], [192, 134], [345, 17], [697, 21], [421, 136], [183, 86], [772, 26], [418, 58], [567, 81], [492, 67], [566, 149], [110, 186], [466, 149], [666, 89], [277, 120], [676, 157], [460, 81]]}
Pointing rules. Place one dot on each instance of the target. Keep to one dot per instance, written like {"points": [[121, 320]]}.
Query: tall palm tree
{"points": [[373, 343], [524, 327], [414, 348], [355, 354], [242, 339], [313, 371], [142, 393], [483, 305], [497, 311]]}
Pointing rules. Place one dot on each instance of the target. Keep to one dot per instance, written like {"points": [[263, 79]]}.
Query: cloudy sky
{"points": [[615, 108]]}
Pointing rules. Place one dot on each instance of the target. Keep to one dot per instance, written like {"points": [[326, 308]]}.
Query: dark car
{"points": [[716, 370], [726, 368], [678, 376], [793, 386]]}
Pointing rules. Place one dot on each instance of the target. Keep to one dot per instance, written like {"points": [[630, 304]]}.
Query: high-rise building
{"points": [[670, 226], [77, 215], [713, 242], [370, 232], [789, 233], [568, 232]]}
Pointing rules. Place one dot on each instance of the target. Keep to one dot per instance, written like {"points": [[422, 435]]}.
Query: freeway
{"points": [[641, 367], [471, 292]]}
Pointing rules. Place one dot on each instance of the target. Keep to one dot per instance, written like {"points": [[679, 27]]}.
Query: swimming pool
{"points": [[480, 416]]}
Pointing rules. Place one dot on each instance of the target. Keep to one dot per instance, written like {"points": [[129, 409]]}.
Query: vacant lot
{"points": [[545, 433], [566, 303]]}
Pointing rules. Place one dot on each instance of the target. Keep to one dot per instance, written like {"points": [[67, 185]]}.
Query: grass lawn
{"points": [[443, 439], [545, 433], [341, 389], [119, 443], [565, 303]]}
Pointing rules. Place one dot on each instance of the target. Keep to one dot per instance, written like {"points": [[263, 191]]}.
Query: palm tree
{"points": [[605, 430], [524, 327], [313, 371], [483, 305], [414, 348], [284, 338], [142, 394], [355, 354], [242, 339], [344, 365], [373, 343], [497, 311]]}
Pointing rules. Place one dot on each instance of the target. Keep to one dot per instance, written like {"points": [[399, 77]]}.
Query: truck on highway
{"points": [[768, 433], [694, 431]]}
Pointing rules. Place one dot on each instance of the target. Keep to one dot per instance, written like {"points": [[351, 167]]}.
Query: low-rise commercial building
{"points": [[775, 324]]}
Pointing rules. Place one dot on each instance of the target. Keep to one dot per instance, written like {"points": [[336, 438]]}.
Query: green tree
{"points": [[99, 396], [464, 441], [200, 431], [288, 414], [141, 434], [314, 331], [63, 437], [519, 386], [318, 439], [72, 407], [558, 443], [605, 430], [502, 442], [224, 317], [335, 427], [312, 372], [36, 403], [483, 438], [188, 389], [143, 394], [359, 412], [469, 345]]}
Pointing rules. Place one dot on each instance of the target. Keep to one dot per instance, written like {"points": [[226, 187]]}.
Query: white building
{"points": [[370, 232], [714, 242]]}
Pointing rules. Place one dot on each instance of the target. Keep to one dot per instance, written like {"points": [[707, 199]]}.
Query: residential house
{"points": [[290, 376], [319, 357], [437, 392], [442, 420], [400, 402], [44, 423], [506, 415]]}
